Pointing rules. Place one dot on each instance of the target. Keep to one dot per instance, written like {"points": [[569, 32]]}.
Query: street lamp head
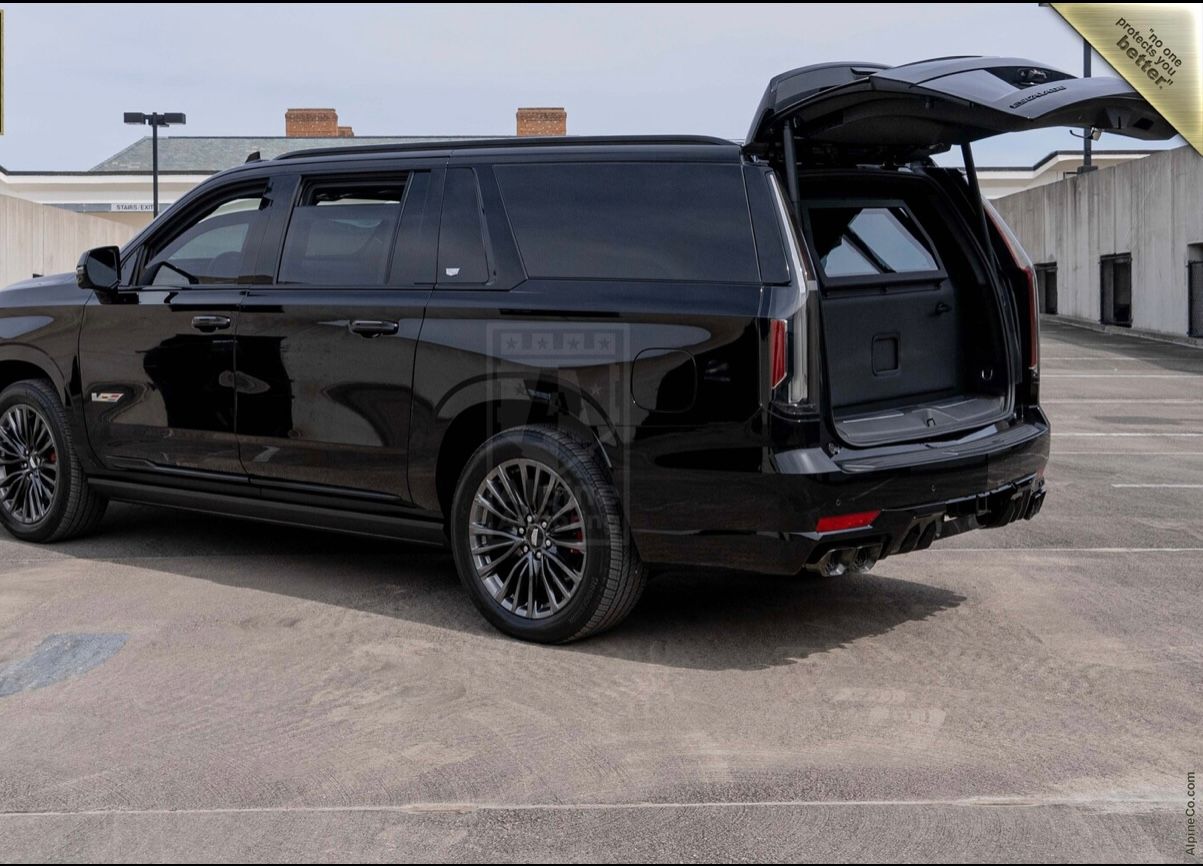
{"points": [[170, 118], [155, 120]]}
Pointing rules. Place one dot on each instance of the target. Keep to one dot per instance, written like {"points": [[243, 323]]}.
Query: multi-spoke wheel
{"points": [[28, 464], [44, 495], [539, 539], [528, 538]]}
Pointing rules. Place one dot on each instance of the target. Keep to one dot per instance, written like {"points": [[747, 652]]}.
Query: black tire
{"points": [[74, 508], [612, 577]]}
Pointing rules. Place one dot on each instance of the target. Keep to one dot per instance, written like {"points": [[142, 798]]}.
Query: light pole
{"points": [[1088, 133], [155, 120]]}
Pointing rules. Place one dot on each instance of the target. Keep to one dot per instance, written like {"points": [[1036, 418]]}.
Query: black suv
{"points": [[568, 358]]}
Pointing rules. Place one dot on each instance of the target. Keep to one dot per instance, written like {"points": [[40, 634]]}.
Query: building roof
{"points": [[1097, 152], [209, 154]]}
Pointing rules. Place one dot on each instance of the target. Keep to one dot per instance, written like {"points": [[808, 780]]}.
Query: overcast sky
{"points": [[70, 71]]}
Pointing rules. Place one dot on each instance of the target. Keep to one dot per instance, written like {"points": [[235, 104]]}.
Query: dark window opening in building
{"points": [[1116, 290], [1046, 287], [1194, 289]]}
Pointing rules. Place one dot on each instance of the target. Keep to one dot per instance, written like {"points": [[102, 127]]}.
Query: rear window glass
{"points": [[631, 221], [869, 241]]}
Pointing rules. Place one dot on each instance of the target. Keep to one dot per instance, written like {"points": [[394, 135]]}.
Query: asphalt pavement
{"points": [[187, 687]]}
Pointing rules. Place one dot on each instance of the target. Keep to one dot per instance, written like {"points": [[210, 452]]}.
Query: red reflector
{"points": [[859, 520], [777, 336]]}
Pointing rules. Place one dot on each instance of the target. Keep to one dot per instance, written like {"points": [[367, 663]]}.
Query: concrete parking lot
{"points": [[248, 691]]}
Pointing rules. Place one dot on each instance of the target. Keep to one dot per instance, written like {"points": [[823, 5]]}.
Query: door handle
{"points": [[372, 328], [208, 324]]}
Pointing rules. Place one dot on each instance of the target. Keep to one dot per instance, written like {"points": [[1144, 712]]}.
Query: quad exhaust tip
{"points": [[843, 560]]}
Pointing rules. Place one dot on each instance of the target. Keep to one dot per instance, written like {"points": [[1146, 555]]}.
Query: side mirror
{"points": [[99, 269]]}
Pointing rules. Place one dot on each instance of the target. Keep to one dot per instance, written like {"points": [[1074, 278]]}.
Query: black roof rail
{"points": [[514, 142]]}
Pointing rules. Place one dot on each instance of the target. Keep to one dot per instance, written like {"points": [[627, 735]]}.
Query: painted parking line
{"points": [[1127, 435], [1064, 550], [1006, 801], [1119, 359], [1175, 486], [1170, 401], [1198, 376], [1059, 453]]}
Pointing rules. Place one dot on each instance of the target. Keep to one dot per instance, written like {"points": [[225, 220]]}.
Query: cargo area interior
{"points": [[911, 322]]}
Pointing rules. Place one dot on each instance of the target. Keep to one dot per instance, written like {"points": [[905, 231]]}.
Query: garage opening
{"points": [[1046, 287], [1116, 289], [1194, 289]]}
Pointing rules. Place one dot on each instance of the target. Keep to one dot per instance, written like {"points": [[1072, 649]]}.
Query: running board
{"points": [[271, 511]]}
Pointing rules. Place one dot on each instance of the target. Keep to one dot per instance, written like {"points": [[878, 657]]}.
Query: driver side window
{"points": [[213, 250]]}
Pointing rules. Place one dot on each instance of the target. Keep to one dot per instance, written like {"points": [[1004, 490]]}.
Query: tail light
{"points": [[778, 346], [788, 340], [1029, 274]]}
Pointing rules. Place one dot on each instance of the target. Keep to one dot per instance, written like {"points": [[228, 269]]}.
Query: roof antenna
{"points": [[253, 156]]}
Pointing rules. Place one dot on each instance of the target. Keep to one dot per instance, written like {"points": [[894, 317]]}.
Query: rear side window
{"points": [[341, 234], [631, 221], [869, 241]]}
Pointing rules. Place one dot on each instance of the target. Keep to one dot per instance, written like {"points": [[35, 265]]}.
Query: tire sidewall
{"points": [[27, 394], [536, 445]]}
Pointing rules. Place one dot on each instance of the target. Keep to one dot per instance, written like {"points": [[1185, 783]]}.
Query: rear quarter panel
{"points": [[664, 374]]}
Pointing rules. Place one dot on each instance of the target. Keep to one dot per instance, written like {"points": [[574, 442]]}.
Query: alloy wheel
{"points": [[526, 533], [28, 464]]}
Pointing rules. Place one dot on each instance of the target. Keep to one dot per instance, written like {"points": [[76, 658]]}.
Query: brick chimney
{"points": [[314, 123], [542, 121]]}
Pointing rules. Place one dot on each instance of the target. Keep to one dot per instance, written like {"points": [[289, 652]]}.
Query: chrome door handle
{"points": [[372, 328], [208, 324]]}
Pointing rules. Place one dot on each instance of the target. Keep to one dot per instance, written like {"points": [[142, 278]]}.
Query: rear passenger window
{"points": [[341, 234], [631, 221], [867, 241]]}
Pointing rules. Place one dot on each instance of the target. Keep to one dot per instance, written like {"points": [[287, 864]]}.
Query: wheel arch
{"points": [[18, 363], [474, 421]]}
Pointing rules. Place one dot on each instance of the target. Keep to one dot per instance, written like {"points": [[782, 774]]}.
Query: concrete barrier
{"points": [[1151, 208], [39, 239]]}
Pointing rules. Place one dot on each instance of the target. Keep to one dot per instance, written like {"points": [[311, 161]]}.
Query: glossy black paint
{"points": [[294, 412]]}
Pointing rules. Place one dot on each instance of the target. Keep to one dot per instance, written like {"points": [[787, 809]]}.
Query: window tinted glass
{"points": [[655, 221], [341, 234], [853, 241], [414, 253], [213, 250], [461, 239]]}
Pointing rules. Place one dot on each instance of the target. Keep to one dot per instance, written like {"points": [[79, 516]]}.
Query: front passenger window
{"points": [[213, 250]]}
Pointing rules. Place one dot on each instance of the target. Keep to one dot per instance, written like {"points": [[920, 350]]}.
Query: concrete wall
{"points": [[1151, 208], [39, 239]]}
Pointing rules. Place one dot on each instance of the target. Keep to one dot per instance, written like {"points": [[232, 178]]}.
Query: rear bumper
{"points": [[923, 494]]}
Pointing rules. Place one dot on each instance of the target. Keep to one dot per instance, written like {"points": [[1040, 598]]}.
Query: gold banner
{"points": [[1155, 47]]}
